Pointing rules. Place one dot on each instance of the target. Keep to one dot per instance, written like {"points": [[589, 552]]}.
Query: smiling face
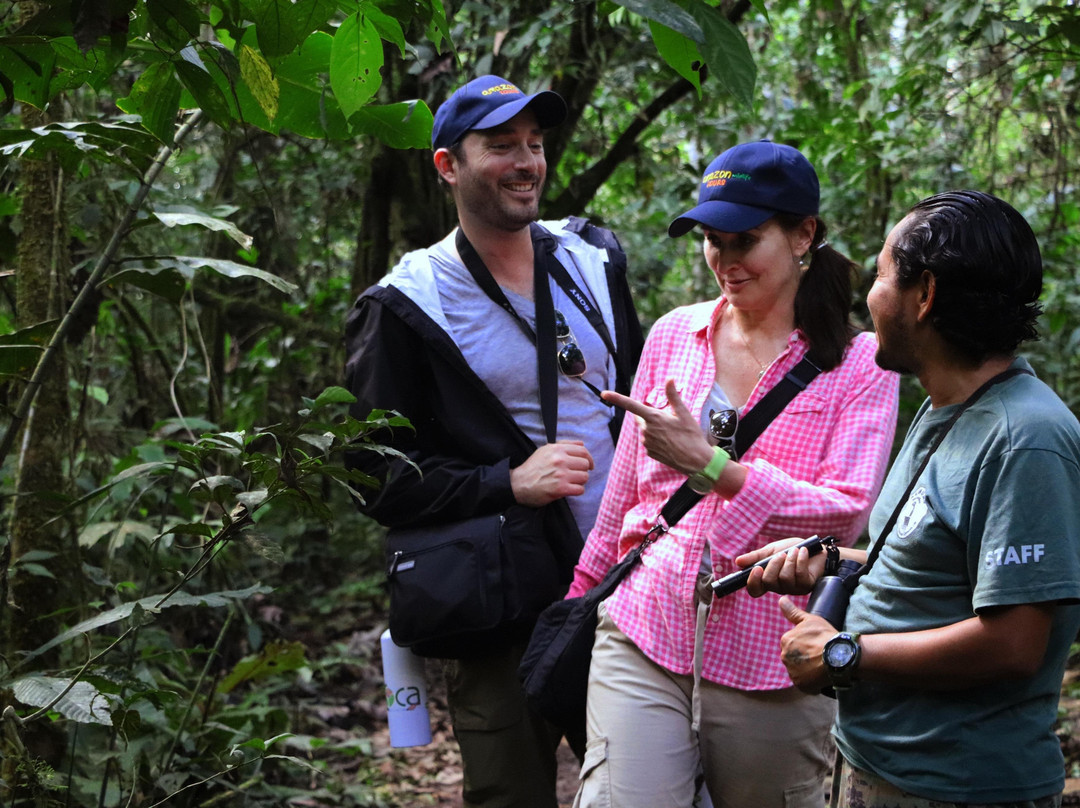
{"points": [[498, 178], [891, 308], [758, 269]]}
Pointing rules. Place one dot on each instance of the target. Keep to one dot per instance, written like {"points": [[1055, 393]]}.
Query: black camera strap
{"points": [[851, 581]]}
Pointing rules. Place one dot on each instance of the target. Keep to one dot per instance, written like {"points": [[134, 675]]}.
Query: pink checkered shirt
{"points": [[816, 469]]}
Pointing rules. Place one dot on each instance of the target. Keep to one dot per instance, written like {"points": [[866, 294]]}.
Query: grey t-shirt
{"points": [[993, 521], [500, 353]]}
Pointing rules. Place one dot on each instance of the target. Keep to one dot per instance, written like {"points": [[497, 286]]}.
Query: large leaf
{"points": [[231, 269], [151, 604], [726, 53], [401, 126], [18, 360], [121, 142], [177, 21], [82, 703], [260, 80], [118, 531], [275, 658], [155, 97], [204, 87], [356, 60], [669, 14], [20, 350], [185, 217], [679, 51], [27, 69], [306, 106], [164, 281], [282, 25]]}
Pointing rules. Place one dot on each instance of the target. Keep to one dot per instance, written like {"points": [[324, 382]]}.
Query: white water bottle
{"points": [[406, 695]]}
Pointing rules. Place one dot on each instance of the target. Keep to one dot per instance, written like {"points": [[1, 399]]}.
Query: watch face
{"points": [[840, 654]]}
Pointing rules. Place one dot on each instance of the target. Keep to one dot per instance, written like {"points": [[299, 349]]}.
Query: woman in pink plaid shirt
{"points": [[654, 727]]}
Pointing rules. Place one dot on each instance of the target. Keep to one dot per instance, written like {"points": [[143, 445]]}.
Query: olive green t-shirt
{"points": [[993, 521]]}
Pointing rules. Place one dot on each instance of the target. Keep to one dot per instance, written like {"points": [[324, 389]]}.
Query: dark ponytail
{"points": [[823, 301]]}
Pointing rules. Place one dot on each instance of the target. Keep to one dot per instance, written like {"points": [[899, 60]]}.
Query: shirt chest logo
{"points": [[913, 513]]}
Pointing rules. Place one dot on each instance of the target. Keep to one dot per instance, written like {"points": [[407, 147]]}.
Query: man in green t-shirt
{"points": [[955, 642]]}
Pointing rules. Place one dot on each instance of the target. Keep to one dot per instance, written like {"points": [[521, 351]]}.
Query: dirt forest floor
{"points": [[431, 775]]}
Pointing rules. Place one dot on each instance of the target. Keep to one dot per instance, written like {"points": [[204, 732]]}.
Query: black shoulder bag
{"points": [[555, 667], [467, 587]]}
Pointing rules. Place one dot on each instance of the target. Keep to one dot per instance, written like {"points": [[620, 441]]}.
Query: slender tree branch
{"points": [[582, 188]]}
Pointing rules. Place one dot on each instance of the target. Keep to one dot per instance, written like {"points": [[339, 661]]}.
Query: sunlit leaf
{"points": [[259, 79], [333, 395], [679, 51], [356, 59], [174, 219]]}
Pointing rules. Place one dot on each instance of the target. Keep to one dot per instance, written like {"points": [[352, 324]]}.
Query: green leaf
{"points": [[155, 97], [678, 51], [18, 360], [29, 69], [406, 125], [151, 604], [356, 60], [82, 703], [36, 569], [176, 21], [165, 282], [668, 14], [123, 143], [306, 105], [389, 28], [119, 532], [177, 218], [142, 470], [727, 54], [196, 77], [333, 395], [38, 334], [230, 269], [277, 657], [282, 25], [259, 79]]}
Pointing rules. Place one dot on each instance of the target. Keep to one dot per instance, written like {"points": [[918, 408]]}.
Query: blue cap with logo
{"points": [[750, 183], [488, 101]]}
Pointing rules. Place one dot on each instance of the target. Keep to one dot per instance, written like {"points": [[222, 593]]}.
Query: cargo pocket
{"points": [[595, 788]]}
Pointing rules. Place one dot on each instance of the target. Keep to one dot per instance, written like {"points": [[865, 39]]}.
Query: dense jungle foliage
{"points": [[192, 193]]}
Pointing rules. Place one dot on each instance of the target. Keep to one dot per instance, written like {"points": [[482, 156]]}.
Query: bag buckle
{"points": [[658, 529]]}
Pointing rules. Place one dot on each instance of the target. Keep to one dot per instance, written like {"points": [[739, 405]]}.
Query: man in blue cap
{"points": [[495, 343]]}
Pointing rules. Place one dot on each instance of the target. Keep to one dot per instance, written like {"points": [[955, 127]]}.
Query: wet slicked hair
{"points": [[987, 269]]}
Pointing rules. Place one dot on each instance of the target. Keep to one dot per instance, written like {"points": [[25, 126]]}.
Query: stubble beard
{"points": [[488, 206]]}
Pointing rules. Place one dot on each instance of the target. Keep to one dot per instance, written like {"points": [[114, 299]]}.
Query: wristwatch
{"points": [[841, 656], [702, 482]]}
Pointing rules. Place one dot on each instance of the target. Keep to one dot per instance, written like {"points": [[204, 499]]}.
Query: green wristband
{"points": [[703, 481], [715, 466]]}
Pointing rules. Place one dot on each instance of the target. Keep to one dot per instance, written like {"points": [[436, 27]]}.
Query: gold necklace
{"points": [[750, 350]]}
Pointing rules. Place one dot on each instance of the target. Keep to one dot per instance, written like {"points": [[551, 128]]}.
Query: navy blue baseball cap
{"points": [[488, 101], [750, 183]]}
